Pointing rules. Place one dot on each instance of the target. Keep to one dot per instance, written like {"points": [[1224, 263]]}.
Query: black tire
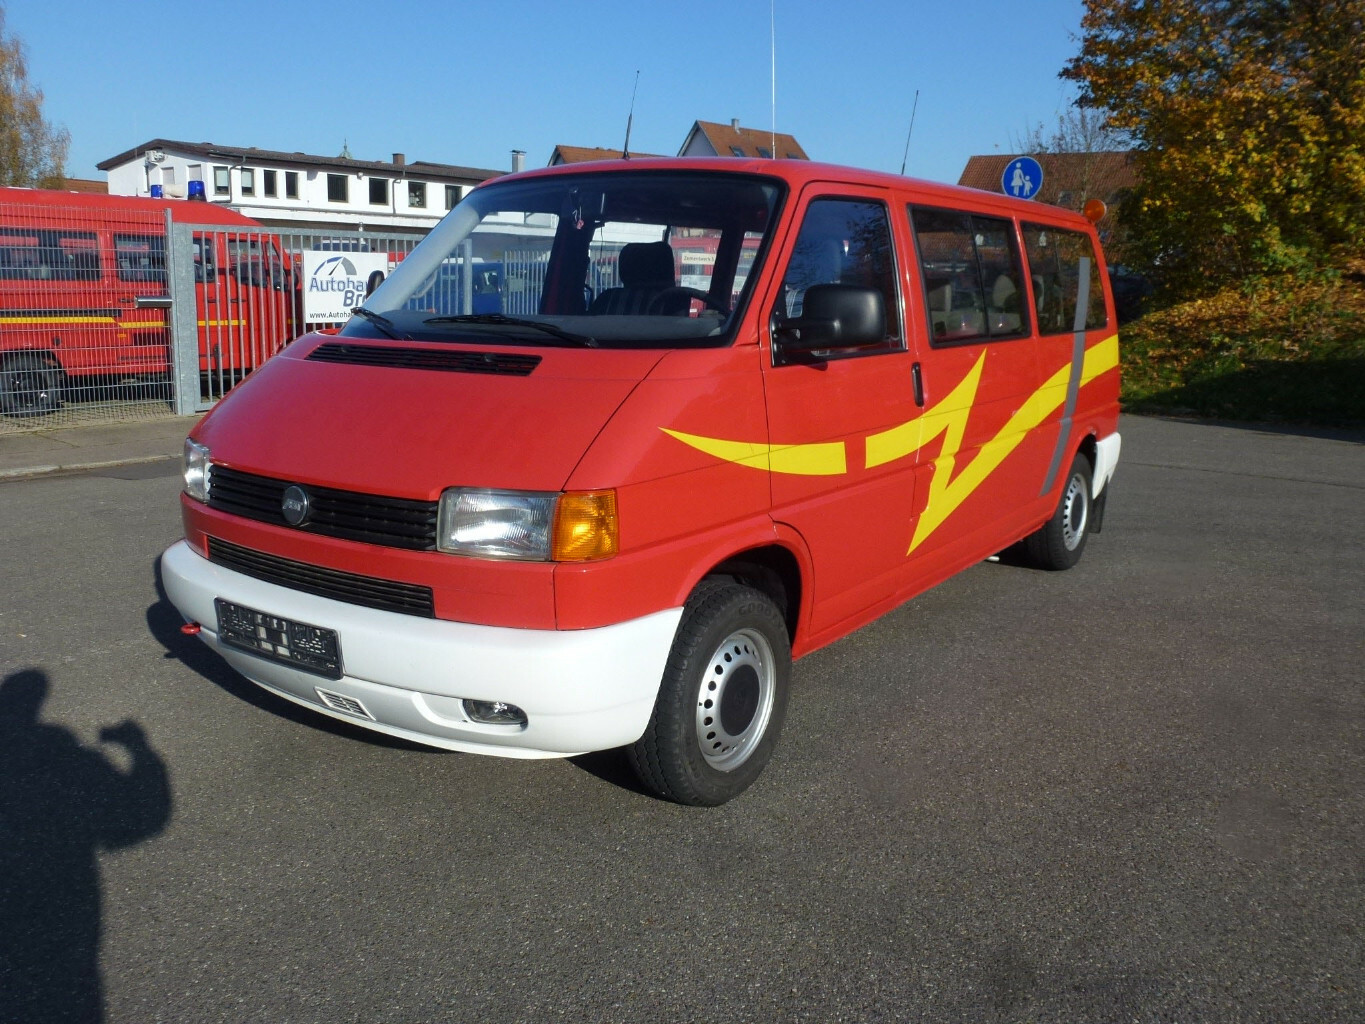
{"points": [[1061, 540], [722, 699], [29, 386]]}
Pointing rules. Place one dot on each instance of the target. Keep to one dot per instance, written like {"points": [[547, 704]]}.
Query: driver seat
{"points": [[646, 270]]}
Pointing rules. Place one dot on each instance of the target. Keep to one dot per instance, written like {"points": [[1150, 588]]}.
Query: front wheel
{"points": [[722, 699], [1060, 541]]}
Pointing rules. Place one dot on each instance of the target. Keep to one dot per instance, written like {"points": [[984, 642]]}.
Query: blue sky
{"points": [[465, 83]]}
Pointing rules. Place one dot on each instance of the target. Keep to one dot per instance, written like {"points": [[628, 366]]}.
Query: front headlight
{"points": [[196, 470], [532, 526]]}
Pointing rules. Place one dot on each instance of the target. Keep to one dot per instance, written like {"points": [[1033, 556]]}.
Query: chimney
{"points": [[734, 123], [518, 160], [399, 159]]}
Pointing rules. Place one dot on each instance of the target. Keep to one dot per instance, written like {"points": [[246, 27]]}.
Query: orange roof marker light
{"points": [[1094, 210]]}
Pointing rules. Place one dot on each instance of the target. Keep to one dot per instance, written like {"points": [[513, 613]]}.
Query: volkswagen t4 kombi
{"points": [[728, 411]]}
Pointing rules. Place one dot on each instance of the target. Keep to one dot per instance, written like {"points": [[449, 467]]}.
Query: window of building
{"points": [[765, 152], [844, 241], [452, 196], [736, 151], [222, 182], [269, 187], [338, 188], [417, 195], [379, 191], [248, 181], [1058, 260], [291, 184], [973, 286], [168, 175]]}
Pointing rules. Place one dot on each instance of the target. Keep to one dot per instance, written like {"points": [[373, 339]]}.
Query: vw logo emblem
{"points": [[294, 506]]}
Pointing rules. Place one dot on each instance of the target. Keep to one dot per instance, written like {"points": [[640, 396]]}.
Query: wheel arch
{"points": [[45, 356], [773, 569]]}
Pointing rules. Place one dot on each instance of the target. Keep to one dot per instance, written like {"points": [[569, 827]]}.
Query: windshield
{"points": [[625, 259]]}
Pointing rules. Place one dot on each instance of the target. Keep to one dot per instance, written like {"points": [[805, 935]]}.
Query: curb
{"points": [[25, 472]]}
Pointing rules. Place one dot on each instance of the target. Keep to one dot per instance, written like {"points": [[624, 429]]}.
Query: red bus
{"points": [[85, 297]]}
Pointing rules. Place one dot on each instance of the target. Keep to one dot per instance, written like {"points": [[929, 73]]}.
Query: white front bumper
{"points": [[582, 690]]}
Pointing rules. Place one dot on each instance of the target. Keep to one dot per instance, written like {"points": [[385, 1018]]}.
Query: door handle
{"points": [[917, 378]]}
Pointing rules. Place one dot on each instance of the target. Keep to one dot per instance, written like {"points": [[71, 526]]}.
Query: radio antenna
{"points": [[910, 132], [772, 38], [625, 150]]}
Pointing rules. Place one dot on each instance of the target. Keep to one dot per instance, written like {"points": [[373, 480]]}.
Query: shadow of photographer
{"points": [[61, 804]]}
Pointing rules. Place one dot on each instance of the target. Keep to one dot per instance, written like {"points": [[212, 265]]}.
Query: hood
{"points": [[409, 419]]}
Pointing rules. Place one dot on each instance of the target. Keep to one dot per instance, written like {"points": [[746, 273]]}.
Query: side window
{"points": [[973, 286], [37, 254], [848, 242], [1056, 260], [140, 258], [205, 262]]}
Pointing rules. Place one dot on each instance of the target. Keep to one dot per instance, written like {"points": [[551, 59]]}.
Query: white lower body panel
{"points": [[1106, 461], [581, 690]]}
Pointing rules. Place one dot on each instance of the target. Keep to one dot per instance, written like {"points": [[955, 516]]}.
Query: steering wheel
{"points": [[677, 301]]}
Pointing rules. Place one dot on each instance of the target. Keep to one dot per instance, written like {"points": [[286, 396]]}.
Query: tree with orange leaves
{"points": [[1248, 117]]}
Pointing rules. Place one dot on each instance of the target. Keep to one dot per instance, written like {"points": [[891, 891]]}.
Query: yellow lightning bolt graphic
{"points": [[825, 459], [948, 417]]}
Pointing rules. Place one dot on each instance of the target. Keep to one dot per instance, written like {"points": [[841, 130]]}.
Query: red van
{"points": [[612, 521], [84, 293]]}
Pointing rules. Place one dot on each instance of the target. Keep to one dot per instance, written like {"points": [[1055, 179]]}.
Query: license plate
{"points": [[311, 648]]}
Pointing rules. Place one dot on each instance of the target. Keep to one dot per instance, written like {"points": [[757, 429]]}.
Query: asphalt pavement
{"points": [[1132, 791]]}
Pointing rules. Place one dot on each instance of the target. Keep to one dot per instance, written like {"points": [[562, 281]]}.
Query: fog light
{"points": [[494, 712]]}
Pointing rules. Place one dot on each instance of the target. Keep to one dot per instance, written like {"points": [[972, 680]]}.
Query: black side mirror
{"points": [[836, 316]]}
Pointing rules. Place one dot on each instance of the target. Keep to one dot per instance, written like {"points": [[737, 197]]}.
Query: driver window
{"points": [[843, 241]]}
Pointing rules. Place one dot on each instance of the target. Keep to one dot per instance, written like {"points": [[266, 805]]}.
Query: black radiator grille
{"points": [[386, 595], [348, 515], [452, 360]]}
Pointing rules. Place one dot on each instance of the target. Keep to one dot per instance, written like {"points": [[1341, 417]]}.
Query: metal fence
{"points": [[113, 317]]}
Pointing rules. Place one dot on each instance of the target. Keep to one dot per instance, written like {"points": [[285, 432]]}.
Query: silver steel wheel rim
{"points": [[735, 699], [1075, 512]]}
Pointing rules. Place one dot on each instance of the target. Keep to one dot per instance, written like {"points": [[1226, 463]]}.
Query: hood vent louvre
{"points": [[454, 361]]}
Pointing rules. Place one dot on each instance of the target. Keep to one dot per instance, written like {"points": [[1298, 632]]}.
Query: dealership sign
{"points": [[335, 283]]}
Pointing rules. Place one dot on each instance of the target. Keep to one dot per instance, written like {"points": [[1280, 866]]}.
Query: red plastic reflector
{"points": [[191, 628]]}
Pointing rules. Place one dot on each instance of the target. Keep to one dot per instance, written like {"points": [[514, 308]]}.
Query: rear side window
{"points": [[45, 255], [140, 258], [1057, 259], [973, 285]]}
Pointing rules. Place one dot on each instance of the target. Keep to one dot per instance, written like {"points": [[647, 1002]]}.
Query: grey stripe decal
{"points": [[1073, 384]]}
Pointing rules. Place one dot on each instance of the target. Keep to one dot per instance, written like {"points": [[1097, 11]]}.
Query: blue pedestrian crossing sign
{"points": [[1023, 178]]}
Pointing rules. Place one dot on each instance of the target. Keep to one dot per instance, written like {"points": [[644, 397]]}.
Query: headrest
{"points": [[646, 263]]}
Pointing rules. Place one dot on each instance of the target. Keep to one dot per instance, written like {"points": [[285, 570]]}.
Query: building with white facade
{"points": [[297, 190]]}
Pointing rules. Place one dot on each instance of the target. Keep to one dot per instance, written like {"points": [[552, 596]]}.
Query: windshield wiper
{"points": [[498, 320], [379, 320]]}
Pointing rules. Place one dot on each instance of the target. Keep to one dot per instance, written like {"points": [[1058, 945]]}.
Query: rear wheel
{"points": [[1059, 543], [29, 386], [722, 699]]}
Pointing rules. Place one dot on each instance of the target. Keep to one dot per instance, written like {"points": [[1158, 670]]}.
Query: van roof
{"points": [[182, 210], [798, 173]]}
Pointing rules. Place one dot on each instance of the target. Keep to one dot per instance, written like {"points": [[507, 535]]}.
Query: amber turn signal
{"points": [[586, 526]]}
